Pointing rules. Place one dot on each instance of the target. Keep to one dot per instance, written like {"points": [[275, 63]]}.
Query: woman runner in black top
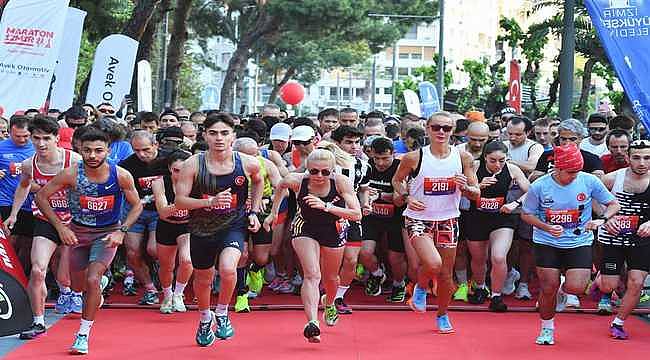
{"points": [[326, 202], [492, 224], [172, 236]]}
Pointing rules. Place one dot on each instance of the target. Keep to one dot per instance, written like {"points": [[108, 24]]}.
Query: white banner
{"points": [[31, 33], [65, 73], [145, 95], [112, 70], [412, 102]]}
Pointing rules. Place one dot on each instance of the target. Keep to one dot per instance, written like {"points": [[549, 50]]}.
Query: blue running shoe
{"points": [[444, 325], [205, 332], [545, 337], [224, 327], [80, 345], [418, 302], [76, 303], [63, 303]]}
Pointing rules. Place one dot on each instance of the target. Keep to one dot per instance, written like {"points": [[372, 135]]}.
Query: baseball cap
{"points": [[280, 131], [303, 133], [76, 112]]}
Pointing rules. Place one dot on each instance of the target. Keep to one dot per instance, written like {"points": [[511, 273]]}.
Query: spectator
{"points": [[595, 143], [618, 142]]}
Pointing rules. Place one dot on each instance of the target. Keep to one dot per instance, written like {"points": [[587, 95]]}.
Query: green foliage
{"points": [[430, 73], [189, 87], [400, 86], [474, 95]]}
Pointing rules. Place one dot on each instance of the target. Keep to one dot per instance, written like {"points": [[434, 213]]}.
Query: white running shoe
{"points": [[572, 301], [509, 284], [522, 292]]}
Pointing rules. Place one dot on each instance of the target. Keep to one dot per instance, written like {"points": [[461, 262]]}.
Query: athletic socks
{"points": [[167, 292], [64, 289], [496, 294], [399, 283], [179, 289], [39, 319], [617, 321], [76, 293], [84, 328], [205, 316], [481, 286], [241, 281], [461, 276], [340, 291], [377, 273], [548, 324], [222, 310], [150, 287]]}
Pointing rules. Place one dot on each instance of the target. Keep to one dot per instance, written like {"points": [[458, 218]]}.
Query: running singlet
{"points": [[634, 212], [59, 200], [433, 184], [383, 208], [568, 206], [308, 216], [144, 175], [493, 197], [179, 215], [11, 162], [96, 205], [209, 221]]}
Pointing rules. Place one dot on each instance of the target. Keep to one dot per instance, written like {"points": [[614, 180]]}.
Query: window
{"points": [[389, 71], [360, 92], [333, 92], [416, 56], [346, 92], [377, 91], [321, 91], [412, 33], [403, 55], [403, 71], [388, 90]]}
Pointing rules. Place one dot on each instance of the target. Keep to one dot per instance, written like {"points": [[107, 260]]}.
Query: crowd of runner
{"points": [[453, 206]]}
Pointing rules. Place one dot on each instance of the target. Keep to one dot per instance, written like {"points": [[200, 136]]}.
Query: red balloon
{"points": [[292, 93]]}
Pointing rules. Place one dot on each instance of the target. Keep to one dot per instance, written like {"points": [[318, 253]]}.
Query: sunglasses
{"points": [[324, 172], [572, 139], [597, 129], [301, 142], [445, 128], [106, 111]]}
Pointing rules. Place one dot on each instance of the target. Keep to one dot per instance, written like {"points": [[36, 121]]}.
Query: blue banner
{"points": [[623, 27], [428, 99]]}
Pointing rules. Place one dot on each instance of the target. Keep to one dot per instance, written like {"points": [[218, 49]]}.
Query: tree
{"points": [[176, 48]]}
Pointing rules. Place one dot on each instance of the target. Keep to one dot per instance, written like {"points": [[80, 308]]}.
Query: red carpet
{"points": [[148, 335]]}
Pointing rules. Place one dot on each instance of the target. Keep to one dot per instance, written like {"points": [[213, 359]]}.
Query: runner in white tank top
{"points": [[439, 173]]}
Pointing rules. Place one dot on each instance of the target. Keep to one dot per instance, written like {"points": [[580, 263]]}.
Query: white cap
{"points": [[280, 131], [303, 133]]}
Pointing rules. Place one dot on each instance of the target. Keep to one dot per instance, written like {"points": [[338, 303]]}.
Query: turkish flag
{"points": [[514, 92]]}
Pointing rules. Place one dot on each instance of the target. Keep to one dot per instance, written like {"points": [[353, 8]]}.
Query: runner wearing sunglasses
{"points": [[326, 202]]}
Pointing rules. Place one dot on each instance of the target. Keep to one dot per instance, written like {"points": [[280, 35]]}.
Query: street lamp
{"points": [[440, 51]]}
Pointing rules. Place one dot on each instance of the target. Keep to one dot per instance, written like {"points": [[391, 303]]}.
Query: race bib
{"points": [[490, 204], [15, 169], [566, 218], [180, 214], [383, 210], [145, 182], [627, 223], [439, 186], [59, 202], [223, 208], [97, 204]]}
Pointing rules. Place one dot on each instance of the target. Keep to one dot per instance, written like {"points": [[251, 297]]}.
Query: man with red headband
{"points": [[558, 206]]}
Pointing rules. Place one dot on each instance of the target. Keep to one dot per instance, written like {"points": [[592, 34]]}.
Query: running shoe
{"points": [[479, 296], [545, 337], [497, 304], [241, 306], [129, 289], [224, 328], [617, 332], [644, 297], [444, 325], [167, 305], [397, 295], [341, 307], [330, 314], [561, 300], [255, 281], [605, 305], [275, 283], [312, 331], [34, 331], [297, 280], [149, 298], [418, 302], [80, 345], [509, 284], [286, 287], [178, 303], [461, 292], [77, 303], [522, 292], [374, 283], [572, 301], [359, 272], [64, 303], [205, 332]]}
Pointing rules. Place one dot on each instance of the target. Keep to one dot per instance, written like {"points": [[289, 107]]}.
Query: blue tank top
{"points": [[208, 221], [11, 159], [96, 205], [265, 153]]}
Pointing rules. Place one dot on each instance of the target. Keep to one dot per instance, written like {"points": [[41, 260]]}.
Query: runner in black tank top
{"points": [[172, 236], [492, 224], [213, 186], [326, 202]]}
